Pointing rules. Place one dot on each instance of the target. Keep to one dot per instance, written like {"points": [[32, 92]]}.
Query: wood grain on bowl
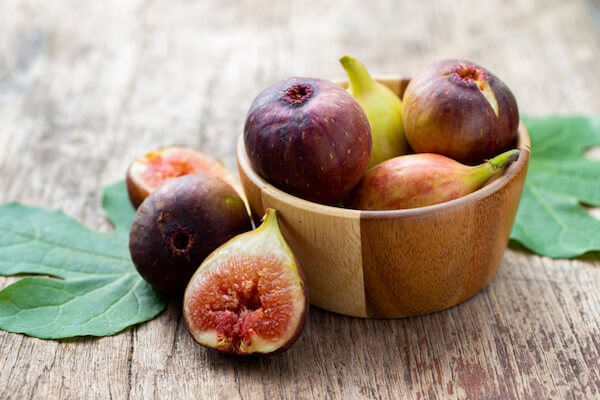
{"points": [[389, 264]]}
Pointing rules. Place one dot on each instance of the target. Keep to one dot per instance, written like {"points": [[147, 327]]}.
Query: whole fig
{"points": [[461, 110], [309, 137], [423, 179], [383, 108], [181, 223]]}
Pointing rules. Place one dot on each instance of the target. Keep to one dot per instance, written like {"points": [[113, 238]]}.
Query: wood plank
{"points": [[87, 86]]}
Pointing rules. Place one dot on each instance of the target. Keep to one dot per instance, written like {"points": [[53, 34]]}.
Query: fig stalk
{"points": [[482, 173]]}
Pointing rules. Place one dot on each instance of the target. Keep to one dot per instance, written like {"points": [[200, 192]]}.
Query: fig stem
{"points": [[270, 219], [504, 159], [483, 172], [358, 76]]}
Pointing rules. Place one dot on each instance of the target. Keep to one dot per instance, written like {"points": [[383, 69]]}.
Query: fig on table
{"points": [[146, 174], [180, 224], [249, 296]]}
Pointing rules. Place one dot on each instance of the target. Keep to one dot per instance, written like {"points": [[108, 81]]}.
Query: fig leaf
{"points": [[98, 291], [552, 219]]}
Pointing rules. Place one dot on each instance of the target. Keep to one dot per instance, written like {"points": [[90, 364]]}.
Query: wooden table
{"points": [[87, 86]]}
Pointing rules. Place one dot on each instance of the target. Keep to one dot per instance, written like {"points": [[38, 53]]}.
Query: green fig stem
{"points": [[502, 160], [489, 168], [269, 221], [358, 76]]}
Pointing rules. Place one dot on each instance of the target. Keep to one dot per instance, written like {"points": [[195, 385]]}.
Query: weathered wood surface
{"points": [[87, 86]]}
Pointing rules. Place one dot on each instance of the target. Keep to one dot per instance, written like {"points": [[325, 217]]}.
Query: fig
{"points": [[383, 109], [146, 174], [249, 296], [423, 179], [181, 223], [308, 137], [461, 110]]}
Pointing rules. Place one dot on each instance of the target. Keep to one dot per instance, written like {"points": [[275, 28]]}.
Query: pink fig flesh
{"points": [[146, 174], [249, 296], [419, 180]]}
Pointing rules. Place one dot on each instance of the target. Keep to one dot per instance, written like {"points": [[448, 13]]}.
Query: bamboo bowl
{"points": [[401, 263]]}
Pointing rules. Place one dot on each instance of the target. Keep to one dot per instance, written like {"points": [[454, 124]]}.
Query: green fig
{"points": [[249, 296], [383, 108], [423, 179]]}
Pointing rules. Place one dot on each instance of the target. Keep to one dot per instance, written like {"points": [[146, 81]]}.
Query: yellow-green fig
{"points": [[383, 108]]}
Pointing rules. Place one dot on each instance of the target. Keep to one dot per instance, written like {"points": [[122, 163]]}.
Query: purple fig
{"points": [[461, 110], [181, 223], [309, 137]]}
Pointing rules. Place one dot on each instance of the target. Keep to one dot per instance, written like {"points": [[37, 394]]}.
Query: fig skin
{"points": [[423, 179], [461, 110], [262, 246], [308, 137], [181, 223], [171, 162]]}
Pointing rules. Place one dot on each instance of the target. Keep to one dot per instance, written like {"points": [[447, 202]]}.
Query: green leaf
{"points": [[551, 219], [98, 293]]}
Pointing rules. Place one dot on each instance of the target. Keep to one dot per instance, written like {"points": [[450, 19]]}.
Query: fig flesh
{"points": [[383, 109], [146, 174], [461, 110], [249, 296], [180, 224], [309, 137], [418, 180]]}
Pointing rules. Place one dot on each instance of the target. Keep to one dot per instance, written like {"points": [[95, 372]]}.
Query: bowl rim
{"points": [[523, 144]]}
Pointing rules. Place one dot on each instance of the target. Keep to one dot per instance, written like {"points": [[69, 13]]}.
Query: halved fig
{"points": [[148, 173], [249, 296]]}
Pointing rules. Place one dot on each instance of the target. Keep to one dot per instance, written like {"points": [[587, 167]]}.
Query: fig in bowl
{"points": [[383, 109], [461, 110], [395, 263], [423, 179], [308, 137]]}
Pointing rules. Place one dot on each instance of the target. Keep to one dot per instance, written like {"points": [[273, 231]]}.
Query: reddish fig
{"points": [[180, 224], [308, 137], [147, 173], [419, 180], [249, 296], [461, 110]]}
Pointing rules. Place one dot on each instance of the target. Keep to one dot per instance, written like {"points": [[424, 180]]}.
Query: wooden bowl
{"points": [[390, 264]]}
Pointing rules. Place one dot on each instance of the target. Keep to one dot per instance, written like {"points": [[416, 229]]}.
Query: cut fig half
{"points": [[249, 296], [159, 166]]}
